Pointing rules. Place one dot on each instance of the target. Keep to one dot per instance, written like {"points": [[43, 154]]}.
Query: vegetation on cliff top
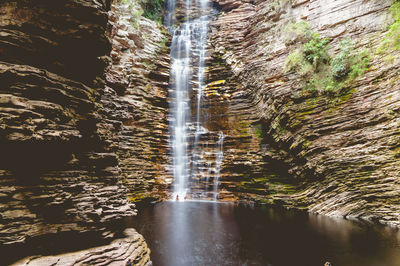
{"points": [[309, 56], [311, 60], [151, 9]]}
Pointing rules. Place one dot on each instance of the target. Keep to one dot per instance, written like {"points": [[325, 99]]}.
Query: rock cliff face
{"points": [[334, 153], [135, 100], [82, 110], [84, 104]]}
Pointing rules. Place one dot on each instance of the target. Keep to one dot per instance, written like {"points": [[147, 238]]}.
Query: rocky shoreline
{"points": [[133, 247]]}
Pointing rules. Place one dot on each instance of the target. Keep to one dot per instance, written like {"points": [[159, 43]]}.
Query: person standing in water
{"points": [[129, 263]]}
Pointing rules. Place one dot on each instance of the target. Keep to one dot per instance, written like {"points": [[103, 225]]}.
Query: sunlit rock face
{"points": [[331, 154], [135, 99], [83, 127]]}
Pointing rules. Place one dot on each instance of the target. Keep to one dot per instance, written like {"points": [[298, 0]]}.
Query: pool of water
{"points": [[208, 233]]}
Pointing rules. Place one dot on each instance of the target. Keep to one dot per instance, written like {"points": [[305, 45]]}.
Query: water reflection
{"points": [[361, 243], [208, 233]]}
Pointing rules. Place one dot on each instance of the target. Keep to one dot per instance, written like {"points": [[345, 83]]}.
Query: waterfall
{"points": [[180, 73], [218, 162], [204, 21], [188, 53]]}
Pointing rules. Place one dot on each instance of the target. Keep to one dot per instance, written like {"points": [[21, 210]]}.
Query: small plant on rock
{"points": [[359, 64], [153, 9], [341, 64], [349, 64], [308, 58], [297, 62], [391, 41], [315, 51]]}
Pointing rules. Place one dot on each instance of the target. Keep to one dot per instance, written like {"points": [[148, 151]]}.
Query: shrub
{"points": [[359, 64], [152, 9], [395, 9], [391, 41], [315, 51], [311, 62], [294, 61], [309, 57], [341, 64]]}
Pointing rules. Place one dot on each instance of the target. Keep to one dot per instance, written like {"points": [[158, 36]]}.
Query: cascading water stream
{"points": [[200, 129], [218, 162], [180, 74], [188, 53]]}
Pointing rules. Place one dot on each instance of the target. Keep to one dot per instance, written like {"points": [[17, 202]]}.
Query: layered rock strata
{"points": [[135, 99], [83, 128], [118, 252], [330, 154]]}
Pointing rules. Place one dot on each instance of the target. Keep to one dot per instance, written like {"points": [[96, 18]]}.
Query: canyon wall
{"points": [[84, 116], [333, 152], [83, 129], [135, 99]]}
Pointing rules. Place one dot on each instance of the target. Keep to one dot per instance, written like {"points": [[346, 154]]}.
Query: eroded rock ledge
{"points": [[118, 252]]}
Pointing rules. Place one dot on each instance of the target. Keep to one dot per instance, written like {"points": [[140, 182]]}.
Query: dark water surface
{"points": [[207, 233]]}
